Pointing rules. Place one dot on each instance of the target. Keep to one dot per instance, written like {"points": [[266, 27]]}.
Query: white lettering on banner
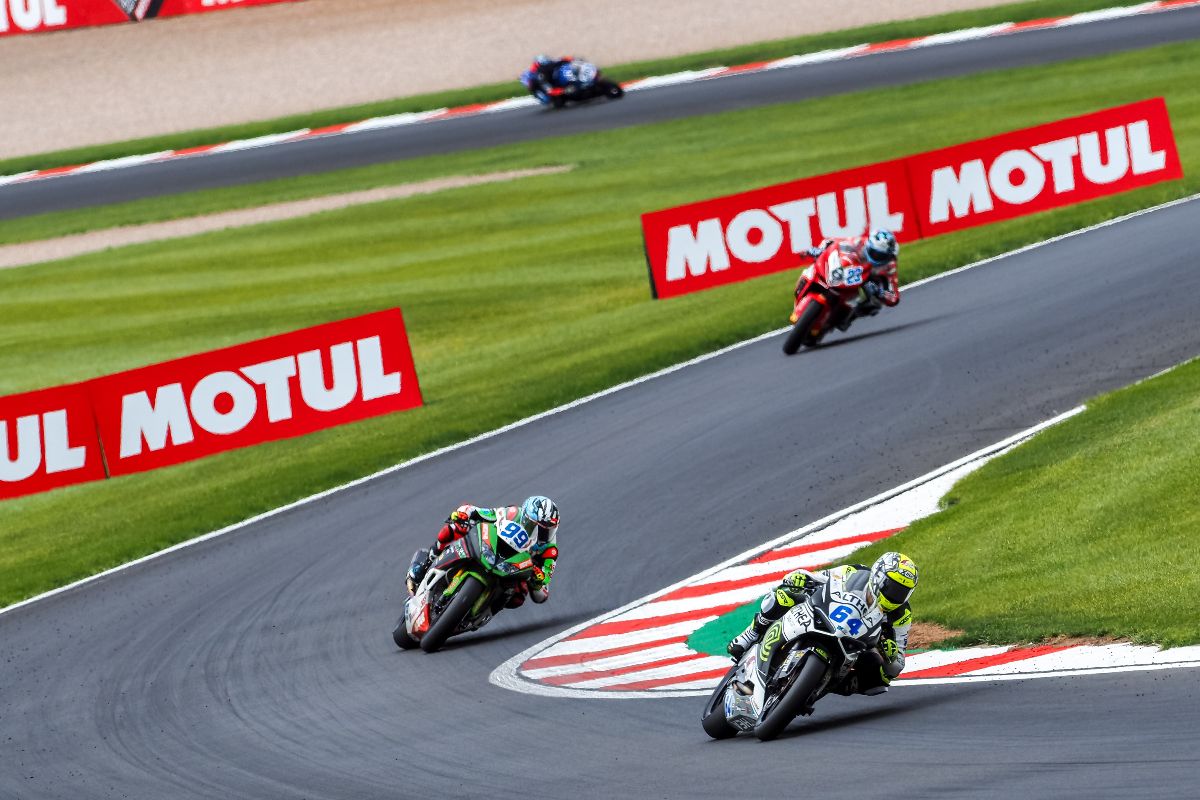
{"points": [[29, 15], [756, 235], [1018, 176], [313, 381], [154, 422], [695, 252], [37, 435], [226, 402]]}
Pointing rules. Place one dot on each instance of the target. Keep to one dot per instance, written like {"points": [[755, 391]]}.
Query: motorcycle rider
{"points": [[880, 252], [891, 582], [538, 515], [542, 76]]}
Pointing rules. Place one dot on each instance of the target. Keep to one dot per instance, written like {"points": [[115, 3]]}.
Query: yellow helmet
{"points": [[893, 579]]}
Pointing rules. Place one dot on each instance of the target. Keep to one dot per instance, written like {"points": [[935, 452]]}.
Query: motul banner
{"points": [[735, 238], [1046, 167], [275, 388], [287, 385], [35, 16], [47, 439], [742, 236]]}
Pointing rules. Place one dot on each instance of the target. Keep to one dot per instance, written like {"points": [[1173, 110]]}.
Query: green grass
{"points": [[1086, 530], [1089, 529], [543, 277], [764, 51]]}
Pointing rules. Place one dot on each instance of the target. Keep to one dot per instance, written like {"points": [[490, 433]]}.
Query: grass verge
{"points": [[764, 51], [1086, 530], [543, 278]]}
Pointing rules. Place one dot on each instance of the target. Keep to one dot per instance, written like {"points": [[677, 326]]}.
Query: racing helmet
{"points": [[893, 579], [881, 247], [541, 511], [541, 60]]}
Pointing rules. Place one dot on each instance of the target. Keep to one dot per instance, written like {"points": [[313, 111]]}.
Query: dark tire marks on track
{"points": [[260, 664]]}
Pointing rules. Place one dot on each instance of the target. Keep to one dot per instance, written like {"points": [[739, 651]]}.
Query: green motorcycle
{"points": [[468, 584]]}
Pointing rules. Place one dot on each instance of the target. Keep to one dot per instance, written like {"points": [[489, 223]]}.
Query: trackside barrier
{"points": [[38, 16], [738, 237], [275, 388]]}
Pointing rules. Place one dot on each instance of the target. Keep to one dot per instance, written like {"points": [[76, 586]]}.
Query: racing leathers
{"points": [[876, 669], [541, 77], [881, 287], [544, 551]]}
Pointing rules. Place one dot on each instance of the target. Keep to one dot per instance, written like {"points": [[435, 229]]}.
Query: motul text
{"points": [[735, 238], [275, 388]]}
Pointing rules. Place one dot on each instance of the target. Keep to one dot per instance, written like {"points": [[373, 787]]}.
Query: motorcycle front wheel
{"points": [[612, 90], [460, 606], [713, 721], [799, 333], [792, 703], [401, 638]]}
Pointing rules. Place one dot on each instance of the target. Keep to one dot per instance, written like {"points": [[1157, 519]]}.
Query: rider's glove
{"points": [[459, 520], [539, 574]]}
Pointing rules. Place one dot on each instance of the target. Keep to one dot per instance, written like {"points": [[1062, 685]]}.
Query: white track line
{"points": [[408, 118], [507, 676], [558, 410]]}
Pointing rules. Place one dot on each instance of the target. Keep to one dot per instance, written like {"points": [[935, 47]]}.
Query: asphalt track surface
{"points": [[665, 103], [260, 664]]}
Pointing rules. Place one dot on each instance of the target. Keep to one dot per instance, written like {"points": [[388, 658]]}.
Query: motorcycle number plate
{"points": [[843, 273], [514, 534]]}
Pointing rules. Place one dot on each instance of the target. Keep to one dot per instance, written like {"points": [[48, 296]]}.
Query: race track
{"points": [[260, 664], [664, 103]]}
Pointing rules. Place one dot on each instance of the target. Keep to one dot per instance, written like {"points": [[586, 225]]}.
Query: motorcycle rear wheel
{"points": [[613, 90], [792, 703], [460, 606], [713, 721], [799, 333]]}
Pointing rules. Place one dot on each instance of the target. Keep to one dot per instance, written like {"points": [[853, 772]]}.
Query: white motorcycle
{"points": [[810, 649]]}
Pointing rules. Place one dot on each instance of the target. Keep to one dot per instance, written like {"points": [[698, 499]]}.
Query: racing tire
{"points": [[793, 700], [460, 606], [612, 90], [799, 334], [558, 101], [713, 721], [401, 638]]}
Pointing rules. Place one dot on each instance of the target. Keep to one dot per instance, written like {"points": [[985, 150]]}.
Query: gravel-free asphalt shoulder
{"points": [[665, 103], [260, 664]]}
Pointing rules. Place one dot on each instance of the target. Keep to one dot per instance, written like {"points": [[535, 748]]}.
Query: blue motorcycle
{"points": [[575, 81]]}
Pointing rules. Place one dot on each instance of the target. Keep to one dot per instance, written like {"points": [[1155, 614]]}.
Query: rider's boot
{"points": [[747, 638], [842, 317]]}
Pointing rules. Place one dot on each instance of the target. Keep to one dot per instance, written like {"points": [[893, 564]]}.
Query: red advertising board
{"points": [[284, 386], [728, 239], [1037, 169], [36, 16], [742, 236], [47, 439]]}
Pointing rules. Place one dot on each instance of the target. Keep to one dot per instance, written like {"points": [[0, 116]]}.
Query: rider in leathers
{"points": [[538, 515], [540, 77], [892, 580], [880, 253]]}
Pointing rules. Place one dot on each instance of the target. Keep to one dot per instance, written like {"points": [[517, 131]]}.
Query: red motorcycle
{"points": [[824, 294]]}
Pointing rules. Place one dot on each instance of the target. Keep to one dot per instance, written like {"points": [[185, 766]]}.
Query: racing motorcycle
{"points": [[578, 81], [471, 580], [808, 650], [832, 282]]}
